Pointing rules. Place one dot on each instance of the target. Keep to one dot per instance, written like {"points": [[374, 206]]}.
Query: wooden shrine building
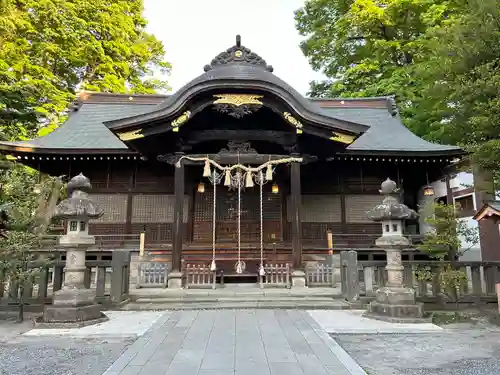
{"points": [[152, 161]]}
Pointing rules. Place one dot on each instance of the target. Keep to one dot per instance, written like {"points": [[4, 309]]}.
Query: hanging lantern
{"points": [[239, 269], [201, 188], [428, 191], [249, 180], [206, 169], [269, 173], [275, 189], [227, 178]]}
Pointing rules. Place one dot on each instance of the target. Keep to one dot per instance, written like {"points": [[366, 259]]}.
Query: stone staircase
{"points": [[236, 296]]}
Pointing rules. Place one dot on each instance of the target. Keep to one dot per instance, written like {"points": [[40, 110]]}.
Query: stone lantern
{"points": [[393, 302], [74, 303]]}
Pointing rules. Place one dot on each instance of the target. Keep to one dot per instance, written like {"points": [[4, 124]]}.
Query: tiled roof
{"points": [[386, 132], [85, 130]]}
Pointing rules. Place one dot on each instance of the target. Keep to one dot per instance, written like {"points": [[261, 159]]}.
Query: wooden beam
{"points": [[296, 203], [178, 226]]}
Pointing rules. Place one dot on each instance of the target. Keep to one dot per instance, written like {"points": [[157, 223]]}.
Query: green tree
{"points": [[462, 76], [369, 47], [447, 242], [52, 48], [20, 196], [365, 46]]}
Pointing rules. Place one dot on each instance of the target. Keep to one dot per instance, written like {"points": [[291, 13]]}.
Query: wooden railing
{"points": [[199, 276], [341, 241], [106, 241], [276, 275], [106, 273], [320, 274], [152, 273]]}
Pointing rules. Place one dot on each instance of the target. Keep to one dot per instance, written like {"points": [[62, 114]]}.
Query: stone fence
{"points": [[106, 272], [361, 279]]}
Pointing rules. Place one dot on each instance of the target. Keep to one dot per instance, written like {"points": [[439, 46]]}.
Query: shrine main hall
{"points": [[237, 168]]}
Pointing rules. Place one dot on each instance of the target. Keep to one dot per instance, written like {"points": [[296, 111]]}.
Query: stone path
{"points": [[120, 324], [352, 322], [238, 342]]}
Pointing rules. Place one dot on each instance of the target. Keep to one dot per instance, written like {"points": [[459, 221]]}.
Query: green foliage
{"points": [[441, 318], [462, 83], [440, 58], [445, 243], [367, 47], [22, 194], [52, 48], [446, 240]]}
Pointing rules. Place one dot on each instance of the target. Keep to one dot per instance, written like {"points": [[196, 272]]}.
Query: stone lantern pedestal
{"points": [[74, 304], [393, 302]]}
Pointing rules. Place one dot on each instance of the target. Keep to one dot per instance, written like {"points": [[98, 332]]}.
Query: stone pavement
{"points": [[352, 322], [238, 342], [120, 324]]}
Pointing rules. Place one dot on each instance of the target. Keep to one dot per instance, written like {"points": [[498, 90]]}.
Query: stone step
{"points": [[215, 299], [311, 304], [236, 292]]}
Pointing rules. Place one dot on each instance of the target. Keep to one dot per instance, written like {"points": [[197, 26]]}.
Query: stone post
{"points": [[75, 303], [393, 302]]}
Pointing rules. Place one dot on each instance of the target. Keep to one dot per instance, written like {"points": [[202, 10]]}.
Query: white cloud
{"points": [[195, 31]]}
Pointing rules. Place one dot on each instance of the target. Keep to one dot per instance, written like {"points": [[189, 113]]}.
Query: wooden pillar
{"points": [[342, 190], [178, 229], [449, 190], [296, 203]]}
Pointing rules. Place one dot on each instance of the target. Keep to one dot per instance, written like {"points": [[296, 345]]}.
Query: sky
{"points": [[195, 31]]}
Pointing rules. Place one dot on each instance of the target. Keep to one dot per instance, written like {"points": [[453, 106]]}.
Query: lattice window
{"points": [[227, 205], [203, 206], [318, 209], [152, 208], [114, 207], [357, 205]]}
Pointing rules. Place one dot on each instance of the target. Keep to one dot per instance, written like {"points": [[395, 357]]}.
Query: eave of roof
{"points": [[85, 132], [489, 209]]}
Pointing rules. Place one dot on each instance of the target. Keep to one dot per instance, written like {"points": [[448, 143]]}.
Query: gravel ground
{"points": [[59, 355], [452, 351]]}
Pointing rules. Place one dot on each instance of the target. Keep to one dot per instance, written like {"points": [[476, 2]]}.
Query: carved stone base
{"points": [[174, 280], [73, 297], [396, 305], [298, 279], [67, 314], [395, 296], [40, 323]]}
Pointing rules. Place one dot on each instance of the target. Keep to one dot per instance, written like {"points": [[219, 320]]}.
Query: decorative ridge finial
{"points": [[238, 54]]}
